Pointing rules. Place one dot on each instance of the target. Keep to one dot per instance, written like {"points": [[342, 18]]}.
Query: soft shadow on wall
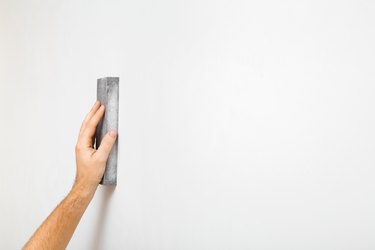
{"points": [[106, 193]]}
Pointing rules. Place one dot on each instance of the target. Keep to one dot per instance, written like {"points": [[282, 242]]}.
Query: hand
{"points": [[58, 228], [91, 162]]}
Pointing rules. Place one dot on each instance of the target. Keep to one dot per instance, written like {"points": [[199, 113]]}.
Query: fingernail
{"points": [[112, 133]]}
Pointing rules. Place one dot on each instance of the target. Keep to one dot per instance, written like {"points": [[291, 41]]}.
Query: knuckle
{"points": [[78, 148], [101, 158], [104, 143], [91, 124], [105, 147]]}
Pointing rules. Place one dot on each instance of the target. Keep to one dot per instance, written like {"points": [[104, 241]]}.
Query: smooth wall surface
{"points": [[243, 124]]}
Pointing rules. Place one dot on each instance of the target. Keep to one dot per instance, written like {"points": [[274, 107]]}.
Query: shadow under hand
{"points": [[106, 194]]}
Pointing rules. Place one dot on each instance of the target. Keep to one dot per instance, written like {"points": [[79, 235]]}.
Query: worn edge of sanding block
{"points": [[108, 95]]}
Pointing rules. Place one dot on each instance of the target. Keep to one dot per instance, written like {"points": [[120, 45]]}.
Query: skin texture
{"points": [[57, 230]]}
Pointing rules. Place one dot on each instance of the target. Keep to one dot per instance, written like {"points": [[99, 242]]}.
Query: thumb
{"points": [[106, 144]]}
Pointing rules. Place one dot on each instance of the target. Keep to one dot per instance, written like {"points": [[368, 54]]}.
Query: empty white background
{"points": [[243, 124]]}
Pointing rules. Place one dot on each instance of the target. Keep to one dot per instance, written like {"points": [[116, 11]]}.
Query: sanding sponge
{"points": [[108, 95]]}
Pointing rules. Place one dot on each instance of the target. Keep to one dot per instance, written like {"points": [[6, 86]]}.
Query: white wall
{"points": [[243, 124]]}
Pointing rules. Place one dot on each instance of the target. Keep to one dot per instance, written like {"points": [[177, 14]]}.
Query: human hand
{"points": [[91, 162]]}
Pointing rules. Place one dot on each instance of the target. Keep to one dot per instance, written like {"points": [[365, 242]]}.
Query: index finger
{"points": [[88, 132], [94, 108]]}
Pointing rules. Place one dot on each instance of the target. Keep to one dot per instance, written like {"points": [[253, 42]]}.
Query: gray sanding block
{"points": [[108, 95]]}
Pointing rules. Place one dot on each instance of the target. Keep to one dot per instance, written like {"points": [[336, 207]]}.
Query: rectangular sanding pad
{"points": [[108, 95]]}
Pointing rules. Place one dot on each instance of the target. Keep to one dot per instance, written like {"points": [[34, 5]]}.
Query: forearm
{"points": [[58, 228]]}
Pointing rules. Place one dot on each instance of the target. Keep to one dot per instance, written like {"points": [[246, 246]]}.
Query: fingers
{"points": [[90, 127], [106, 145], [89, 115]]}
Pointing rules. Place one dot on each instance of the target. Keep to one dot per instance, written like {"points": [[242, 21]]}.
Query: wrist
{"points": [[83, 190]]}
